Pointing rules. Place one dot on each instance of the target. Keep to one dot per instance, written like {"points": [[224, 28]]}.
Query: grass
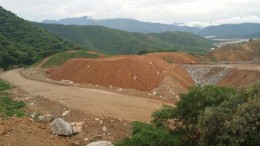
{"points": [[61, 58], [8, 106], [4, 86]]}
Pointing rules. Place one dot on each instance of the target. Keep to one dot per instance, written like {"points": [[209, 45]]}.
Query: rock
{"points": [[104, 128], [100, 143], [65, 113], [61, 127], [77, 127], [33, 115], [46, 118]]}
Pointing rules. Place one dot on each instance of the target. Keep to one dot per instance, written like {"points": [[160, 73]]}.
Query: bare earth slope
{"points": [[144, 72], [234, 53], [95, 102]]}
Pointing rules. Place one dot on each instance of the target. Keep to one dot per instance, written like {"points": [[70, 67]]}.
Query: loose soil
{"points": [[143, 73]]}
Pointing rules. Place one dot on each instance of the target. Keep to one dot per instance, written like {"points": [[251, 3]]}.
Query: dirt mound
{"points": [[234, 53], [133, 72]]}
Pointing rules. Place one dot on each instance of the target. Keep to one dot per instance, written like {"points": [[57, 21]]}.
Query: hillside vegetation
{"points": [[205, 116], [22, 43], [62, 57], [113, 41]]}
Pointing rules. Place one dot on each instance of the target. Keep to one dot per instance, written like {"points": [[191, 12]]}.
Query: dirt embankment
{"points": [[234, 53], [143, 73]]}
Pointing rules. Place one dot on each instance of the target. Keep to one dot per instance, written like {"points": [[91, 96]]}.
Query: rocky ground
{"points": [[32, 130]]}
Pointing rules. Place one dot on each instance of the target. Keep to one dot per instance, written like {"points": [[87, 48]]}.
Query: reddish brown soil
{"points": [[240, 78], [178, 57], [24, 132], [133, 72]]}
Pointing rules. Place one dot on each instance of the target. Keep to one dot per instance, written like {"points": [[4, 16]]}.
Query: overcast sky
{"points": [[189, 12]]}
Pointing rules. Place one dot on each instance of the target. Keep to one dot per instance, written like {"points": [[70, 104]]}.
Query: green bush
{"points": [[207, 115], [149, 135]]}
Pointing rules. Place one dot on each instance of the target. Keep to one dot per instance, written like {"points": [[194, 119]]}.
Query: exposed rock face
{"points": [[61, 127], [100, 143]]}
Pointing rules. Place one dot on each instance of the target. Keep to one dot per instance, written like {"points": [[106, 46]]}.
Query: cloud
{"points": [[190, 12]]}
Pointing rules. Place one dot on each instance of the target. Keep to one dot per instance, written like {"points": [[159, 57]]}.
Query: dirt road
{"points": [[96, 102]]}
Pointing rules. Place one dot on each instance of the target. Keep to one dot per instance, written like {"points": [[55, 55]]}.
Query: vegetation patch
{"points": [[22, 43], [147, 51], [207, 115], [61, 58], [8, 106], [4, 86]]}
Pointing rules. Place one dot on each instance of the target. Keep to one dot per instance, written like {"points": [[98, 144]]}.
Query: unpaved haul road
{"points": [[96, 102]]}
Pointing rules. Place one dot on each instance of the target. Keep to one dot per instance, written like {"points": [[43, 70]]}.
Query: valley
{"points": [[80, 81]]}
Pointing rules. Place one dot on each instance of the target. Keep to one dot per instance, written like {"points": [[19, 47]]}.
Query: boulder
{"points": [[61, 127], [46, 118], [100, 143]]}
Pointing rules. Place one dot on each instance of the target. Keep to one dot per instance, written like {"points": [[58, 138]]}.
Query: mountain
{"points": [[252, 35], [23, 43], [129, 25], [112, 41], [231, 30]]}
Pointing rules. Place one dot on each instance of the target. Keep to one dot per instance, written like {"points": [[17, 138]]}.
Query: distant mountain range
{"points": [[245, 30], [129, 25], [113, 41]]}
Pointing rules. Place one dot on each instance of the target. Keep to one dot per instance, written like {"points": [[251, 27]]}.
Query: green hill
{"points": [[23, 43], [112, 41]]}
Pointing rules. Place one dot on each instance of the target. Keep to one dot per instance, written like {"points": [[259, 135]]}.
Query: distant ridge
{"points": [[245, 30], [130, 25], [113, 41]]}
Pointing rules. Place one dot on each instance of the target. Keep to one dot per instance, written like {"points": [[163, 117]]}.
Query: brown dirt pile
{"points": [[133, 72], [178, 57]]}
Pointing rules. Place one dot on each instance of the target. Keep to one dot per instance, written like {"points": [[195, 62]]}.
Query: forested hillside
{"points": [[113, 41], [22, 42]]}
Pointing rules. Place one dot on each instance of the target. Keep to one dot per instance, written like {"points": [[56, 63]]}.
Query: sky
{"points": [[184, 12]]}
